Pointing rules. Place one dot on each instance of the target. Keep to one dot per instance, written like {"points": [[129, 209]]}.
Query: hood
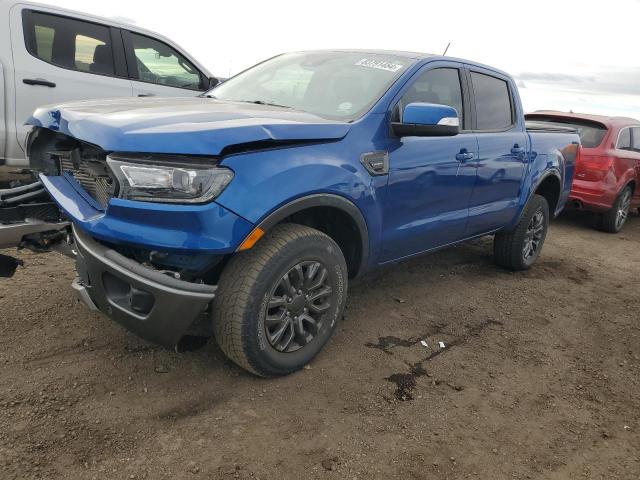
{"points": [[190, 126]]}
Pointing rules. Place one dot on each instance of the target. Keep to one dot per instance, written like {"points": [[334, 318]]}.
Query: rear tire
{"points": [[278, 304], [521, 247], [613, 220]]}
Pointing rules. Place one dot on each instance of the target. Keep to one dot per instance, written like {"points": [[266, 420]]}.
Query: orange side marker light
{"points": [[251, 239]]}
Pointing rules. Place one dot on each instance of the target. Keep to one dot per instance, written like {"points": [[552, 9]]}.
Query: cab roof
{"points": [[418, 56]]}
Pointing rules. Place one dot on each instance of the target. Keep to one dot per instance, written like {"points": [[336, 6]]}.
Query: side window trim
{"points": [[466, 99], [129, 54], [130, 57], [474, 127], [30, 41], [118, 53], [470, 107]]}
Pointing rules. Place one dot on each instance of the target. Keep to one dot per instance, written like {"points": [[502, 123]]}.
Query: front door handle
{"points": [[146, 94], [39, 81], [464, 155]]}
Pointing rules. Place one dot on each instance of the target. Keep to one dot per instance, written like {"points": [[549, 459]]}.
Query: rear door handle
{"points": [[39, 81], [517, 150], [146, 94], [464, 156]]}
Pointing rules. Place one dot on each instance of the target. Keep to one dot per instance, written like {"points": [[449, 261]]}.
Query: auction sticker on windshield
{"points": [[379, 64]]}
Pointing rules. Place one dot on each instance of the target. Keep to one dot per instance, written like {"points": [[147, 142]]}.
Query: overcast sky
{"points": [[567, 55]]}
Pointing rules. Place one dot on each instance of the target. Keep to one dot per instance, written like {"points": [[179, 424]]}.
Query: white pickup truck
{"points": [[50, 55]]}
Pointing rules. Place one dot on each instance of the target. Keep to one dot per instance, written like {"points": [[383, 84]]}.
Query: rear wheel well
{"points": [[549, 188], [338, 225], [632, 184]]}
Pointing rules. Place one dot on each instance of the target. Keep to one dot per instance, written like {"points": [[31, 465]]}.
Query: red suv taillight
{"points": [[592, 168]]}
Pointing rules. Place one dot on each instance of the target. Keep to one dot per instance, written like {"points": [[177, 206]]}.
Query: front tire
{"points": [[520, 248], [278, 304], [613, 220]]}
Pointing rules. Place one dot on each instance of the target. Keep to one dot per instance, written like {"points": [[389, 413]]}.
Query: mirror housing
{"points": [[427, 120], [213, 81]]}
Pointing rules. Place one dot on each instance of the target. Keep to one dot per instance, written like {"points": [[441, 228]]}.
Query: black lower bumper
{"points": [[150, 304]]}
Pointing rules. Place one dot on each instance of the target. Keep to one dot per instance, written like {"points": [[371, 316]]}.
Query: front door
{"points": [[159, 70], [59, 59], [425, 204]]}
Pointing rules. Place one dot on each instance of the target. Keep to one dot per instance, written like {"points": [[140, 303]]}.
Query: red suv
{"points": [[608, 167]]}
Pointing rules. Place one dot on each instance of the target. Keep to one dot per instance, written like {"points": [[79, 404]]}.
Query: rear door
{"points": [[3, 109], [502, 145], [59, 59], [158, 69]]}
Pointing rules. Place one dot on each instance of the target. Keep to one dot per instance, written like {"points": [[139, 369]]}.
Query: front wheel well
{"points": [[549, 188], [337, 224]]}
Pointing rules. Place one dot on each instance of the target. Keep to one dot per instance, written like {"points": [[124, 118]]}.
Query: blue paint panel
{"points": [[196, 126], [496, 194], [190, 229], [427, 200], [427, 113]]}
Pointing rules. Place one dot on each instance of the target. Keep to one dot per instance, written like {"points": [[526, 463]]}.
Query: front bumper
{"points": [[150, 304], [199, 229]]}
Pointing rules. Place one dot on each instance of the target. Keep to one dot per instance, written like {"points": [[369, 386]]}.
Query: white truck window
{"points": [[159, 63], [69, 43], [44, 42]]}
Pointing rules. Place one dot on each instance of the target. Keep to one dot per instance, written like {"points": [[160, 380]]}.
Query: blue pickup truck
{"points": [[244, 213]]}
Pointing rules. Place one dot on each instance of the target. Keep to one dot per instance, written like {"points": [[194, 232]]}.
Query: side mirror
{"points": [[427, 120], [213, 81]]}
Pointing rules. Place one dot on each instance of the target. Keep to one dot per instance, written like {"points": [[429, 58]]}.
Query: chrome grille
{"points": [[97, 183]]}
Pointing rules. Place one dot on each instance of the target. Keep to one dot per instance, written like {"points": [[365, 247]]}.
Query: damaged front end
{"points": [[155, 306], [150, 264], [28, 219]]}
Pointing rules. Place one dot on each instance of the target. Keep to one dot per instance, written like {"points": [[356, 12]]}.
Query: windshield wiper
{"points": [[261, 102]]}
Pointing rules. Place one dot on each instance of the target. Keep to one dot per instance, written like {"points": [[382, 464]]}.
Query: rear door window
{"points": [[494, 110], [157, 62], [624, 139], [69, 43], [635, 139]]}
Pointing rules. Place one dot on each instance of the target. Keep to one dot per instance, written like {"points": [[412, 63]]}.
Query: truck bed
{"points": [[555, 145]]}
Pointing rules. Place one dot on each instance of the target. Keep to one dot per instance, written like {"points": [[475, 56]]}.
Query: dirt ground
{"points": [[539, 378]]}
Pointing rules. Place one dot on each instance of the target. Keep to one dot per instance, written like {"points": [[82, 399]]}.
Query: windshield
{"points": [[335, 85]]}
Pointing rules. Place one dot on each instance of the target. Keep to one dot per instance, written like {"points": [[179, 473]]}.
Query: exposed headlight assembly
{"points": [[167, 179]]}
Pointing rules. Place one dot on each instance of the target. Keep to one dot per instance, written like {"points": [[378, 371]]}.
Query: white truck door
{"points": [[3, 108], [159, 69], [58, 58]]}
